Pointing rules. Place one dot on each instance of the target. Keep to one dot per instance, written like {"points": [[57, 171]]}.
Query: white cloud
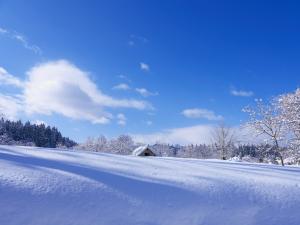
{"points": [[198, 134], [144, 67], [145, 93], [186, 135], [121, 119], [122, 86], [21, 39], [196, 113], [8, 79], [62, 88], [10, 106], [241, 93]]}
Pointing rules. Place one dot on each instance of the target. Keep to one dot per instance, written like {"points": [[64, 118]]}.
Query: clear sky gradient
{"points": [[155, 69]]}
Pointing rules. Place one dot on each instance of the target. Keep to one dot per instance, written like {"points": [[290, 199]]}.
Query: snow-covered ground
{"points": [[40, 186]]}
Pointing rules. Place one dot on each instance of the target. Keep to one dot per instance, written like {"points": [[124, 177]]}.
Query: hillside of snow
{"points": [[40, 186]]}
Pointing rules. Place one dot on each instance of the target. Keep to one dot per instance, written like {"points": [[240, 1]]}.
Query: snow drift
{"points": [[46, 187]]}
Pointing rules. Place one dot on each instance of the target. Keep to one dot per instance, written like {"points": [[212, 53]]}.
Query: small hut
{"points": [[143, 151]]}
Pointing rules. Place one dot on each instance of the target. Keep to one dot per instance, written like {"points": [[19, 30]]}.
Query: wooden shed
{"points": [[143, 151]]}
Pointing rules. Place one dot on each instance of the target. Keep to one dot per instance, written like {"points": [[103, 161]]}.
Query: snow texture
{"points": [[45, 187]]}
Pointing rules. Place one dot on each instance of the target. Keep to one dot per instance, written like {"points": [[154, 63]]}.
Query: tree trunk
{"points": [[277, 149], [223, 157], [281, 160]]}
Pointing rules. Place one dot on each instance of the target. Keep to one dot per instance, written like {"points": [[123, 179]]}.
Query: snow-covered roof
{"points": [[140, 150]]}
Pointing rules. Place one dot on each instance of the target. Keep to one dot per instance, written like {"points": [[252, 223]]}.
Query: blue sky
{"points": [[155, 69]]}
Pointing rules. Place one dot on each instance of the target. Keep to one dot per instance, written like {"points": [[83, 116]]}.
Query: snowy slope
{"points": [[39, 186]]}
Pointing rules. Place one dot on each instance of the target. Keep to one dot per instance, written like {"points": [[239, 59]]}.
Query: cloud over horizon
{"points": [[197, 134]]}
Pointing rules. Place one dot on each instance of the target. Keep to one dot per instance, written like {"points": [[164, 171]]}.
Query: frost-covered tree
{"points": [[122, 145], [223, 140], [265, 120], [100, 143], [163, 149], [89, 144], [289, 105]]}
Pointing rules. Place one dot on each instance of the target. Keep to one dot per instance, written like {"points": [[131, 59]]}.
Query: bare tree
{"points": [[223, 140], [266, 121]]}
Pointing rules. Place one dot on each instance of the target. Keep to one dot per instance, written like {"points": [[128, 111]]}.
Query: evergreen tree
{"points": [[18, 133]]}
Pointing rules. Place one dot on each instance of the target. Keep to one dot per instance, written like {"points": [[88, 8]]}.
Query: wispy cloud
{"points": [[136, 39], [123, 77], [21, 39], [241, 93], [145, 93], [145, 67], [62, 88], [197, 113], [8, 79], [122, 86]]}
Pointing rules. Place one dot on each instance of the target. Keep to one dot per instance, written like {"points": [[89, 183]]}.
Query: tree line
{"points": [[17, 133], [221, 148]]}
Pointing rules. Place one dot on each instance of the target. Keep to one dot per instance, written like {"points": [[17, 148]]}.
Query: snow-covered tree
{"points": [[100, 143], [223, 140], [121, 145], [89, 144], [289, 105], [265, 120]]}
